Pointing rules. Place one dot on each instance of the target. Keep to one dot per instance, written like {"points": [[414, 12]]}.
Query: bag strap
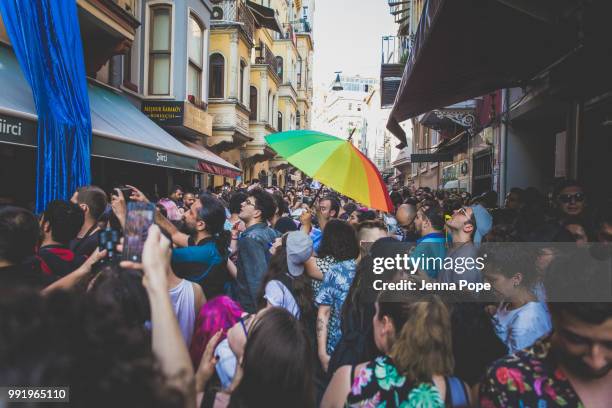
{"points": [[353, 367], [456, 393]]}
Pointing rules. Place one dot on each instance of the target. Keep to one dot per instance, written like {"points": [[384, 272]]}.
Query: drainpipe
{"points": [[575, 118], [503, 149]]}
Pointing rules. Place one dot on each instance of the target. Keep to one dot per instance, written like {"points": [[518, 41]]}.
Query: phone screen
{"points": [[139, 219]]}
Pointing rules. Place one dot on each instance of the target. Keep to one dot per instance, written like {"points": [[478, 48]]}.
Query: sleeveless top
{"points": [[380, 384], [182, 297]]}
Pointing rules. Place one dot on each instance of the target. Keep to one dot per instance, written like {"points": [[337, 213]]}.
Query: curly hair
{"points": [[339, 241]]}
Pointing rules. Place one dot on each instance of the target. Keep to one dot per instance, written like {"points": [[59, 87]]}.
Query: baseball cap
{"points": [[299, 250]]}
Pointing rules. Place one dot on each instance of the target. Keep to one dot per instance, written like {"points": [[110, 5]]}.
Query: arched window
{"points": [[195, 60], [217, 76], [279, 67], [279, 125], [242, 68], [253, 103]]}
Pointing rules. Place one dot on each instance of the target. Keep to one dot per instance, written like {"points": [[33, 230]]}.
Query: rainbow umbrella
{"points": [[335, 163]]}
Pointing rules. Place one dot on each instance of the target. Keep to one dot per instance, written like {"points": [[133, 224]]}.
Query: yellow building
{"points": [[260, 70]]}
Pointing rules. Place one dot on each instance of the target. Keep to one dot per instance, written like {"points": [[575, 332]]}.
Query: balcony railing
{"points": [[288, 34], [395, 49], [233, 11], [302, 26], [267, 57]]}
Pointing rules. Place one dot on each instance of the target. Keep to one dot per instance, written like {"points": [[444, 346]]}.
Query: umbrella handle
{"points": [[314, 200]]}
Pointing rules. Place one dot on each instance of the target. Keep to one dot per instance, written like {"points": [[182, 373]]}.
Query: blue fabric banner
{"points": [[46, 38]]}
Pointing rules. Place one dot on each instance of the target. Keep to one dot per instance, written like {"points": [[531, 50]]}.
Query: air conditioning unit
{"points": [[217, 13]]}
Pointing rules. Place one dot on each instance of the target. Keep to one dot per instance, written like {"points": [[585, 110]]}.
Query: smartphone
{"points": [[139, 219], [127, 192]]}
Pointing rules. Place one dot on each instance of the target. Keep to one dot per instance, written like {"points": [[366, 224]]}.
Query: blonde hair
{"points": [[423, 347]]}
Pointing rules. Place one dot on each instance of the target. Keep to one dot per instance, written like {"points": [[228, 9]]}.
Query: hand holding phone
{"points": [[140, 217]]}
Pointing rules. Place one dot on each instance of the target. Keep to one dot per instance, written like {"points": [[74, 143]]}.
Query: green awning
{"points": [[120, 130]]}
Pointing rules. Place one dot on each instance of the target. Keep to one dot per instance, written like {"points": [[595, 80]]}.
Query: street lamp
{"points": [[337, 86]]}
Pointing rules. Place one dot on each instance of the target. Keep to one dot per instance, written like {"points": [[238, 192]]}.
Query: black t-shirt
{"points": [[84, 247], [27, 274]]}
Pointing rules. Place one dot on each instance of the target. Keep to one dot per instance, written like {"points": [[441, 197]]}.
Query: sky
{"points": [[347, 35]]}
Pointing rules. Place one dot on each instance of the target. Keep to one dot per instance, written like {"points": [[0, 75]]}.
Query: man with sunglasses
{"points": [[253, 246], [570, 200], [462, 227]]}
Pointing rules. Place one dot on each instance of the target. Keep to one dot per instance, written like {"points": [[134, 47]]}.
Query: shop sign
{"points": [[431, 157], [178, 113], [165, 113], [17, 130]]}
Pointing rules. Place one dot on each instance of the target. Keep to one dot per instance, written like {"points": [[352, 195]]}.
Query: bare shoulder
{"points": [[199, 296], [338, 388]]}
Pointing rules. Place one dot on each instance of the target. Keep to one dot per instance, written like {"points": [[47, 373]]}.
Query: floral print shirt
{"points": [[323, 264], [529, 378], [334, 289], [380, 385]]}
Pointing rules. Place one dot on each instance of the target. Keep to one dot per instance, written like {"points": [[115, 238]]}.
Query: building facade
{"points": [[259, 54], [147, 68]]}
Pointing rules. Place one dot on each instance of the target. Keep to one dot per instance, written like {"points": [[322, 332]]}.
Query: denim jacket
{"points": [[253, 257]]}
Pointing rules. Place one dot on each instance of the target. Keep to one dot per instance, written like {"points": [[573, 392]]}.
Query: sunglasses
{"points": [[571, 198]]}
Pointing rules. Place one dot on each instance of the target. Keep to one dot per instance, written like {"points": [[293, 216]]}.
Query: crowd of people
{"points": [[256, 296]]}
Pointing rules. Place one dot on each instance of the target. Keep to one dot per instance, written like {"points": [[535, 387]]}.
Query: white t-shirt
{"points": [[520, 328], [182, 297], [277, 294]]}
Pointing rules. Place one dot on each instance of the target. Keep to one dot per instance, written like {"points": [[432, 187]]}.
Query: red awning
{"points": [[218, 170], [465, 49], [211, 163]]}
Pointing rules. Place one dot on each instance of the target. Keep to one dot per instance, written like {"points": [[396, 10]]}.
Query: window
{"points": [[160, 50], [127, 71], [216, 76], [270, 107], [297, 120], [299, 72], [279, 125], [279, 67], [195, 47], [253, 103], [435, 138], [242, 68]]}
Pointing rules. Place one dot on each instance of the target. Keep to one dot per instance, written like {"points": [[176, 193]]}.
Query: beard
{"points": [[185, 228], [580, 369]]}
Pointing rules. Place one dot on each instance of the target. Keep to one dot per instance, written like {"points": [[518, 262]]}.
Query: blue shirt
{"points": [[432, 249], [317, 236], [202, 264], [334, 289]]}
